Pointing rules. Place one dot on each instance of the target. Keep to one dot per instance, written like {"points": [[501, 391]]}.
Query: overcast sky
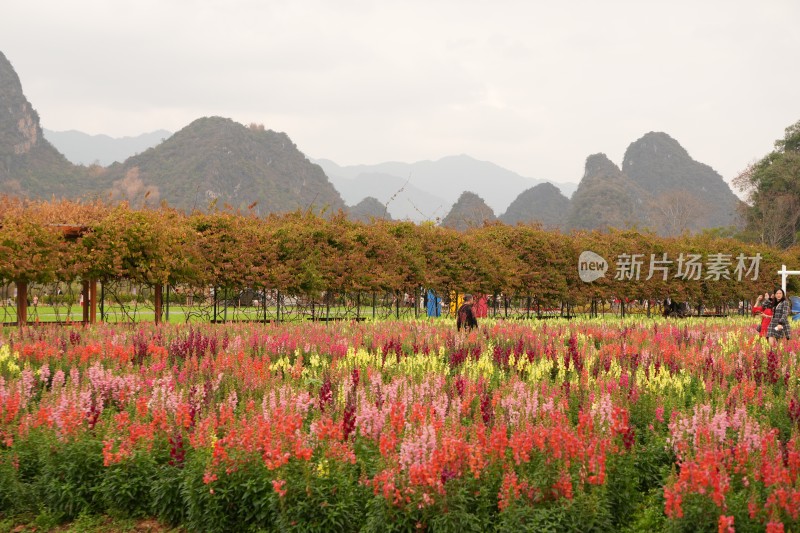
{"points": [[533, 86]]}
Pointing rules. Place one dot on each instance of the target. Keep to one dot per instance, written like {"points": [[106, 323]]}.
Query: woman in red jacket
{"points": [[765, 311]]}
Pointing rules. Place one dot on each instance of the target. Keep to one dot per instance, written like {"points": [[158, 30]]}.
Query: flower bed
{"points": [[396, 426]]}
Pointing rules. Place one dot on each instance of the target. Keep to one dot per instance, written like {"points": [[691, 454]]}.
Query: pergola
{"points": [[88, 288]]}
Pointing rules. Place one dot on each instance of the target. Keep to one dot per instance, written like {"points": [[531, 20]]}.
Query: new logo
{"points": [[591, 266]]}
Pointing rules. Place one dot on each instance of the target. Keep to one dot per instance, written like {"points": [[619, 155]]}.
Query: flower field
{"points": [[583, 425]]}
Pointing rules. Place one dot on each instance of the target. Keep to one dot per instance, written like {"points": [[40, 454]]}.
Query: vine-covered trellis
{"points": [[72, 262]]}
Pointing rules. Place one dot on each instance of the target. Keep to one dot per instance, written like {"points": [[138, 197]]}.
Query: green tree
{"points": [[772, 188]]}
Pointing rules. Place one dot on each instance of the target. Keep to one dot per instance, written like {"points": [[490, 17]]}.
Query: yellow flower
{"points": [[8, 362], [323, 468], [483, 367], [282, 364]]}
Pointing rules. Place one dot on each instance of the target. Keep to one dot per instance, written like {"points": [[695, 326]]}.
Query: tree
{"points": [[772, 188], [675, 212]]}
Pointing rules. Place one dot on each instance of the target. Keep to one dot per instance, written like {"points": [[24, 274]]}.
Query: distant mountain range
{"points": [[215, 161], [84, 149], [426, 190]]}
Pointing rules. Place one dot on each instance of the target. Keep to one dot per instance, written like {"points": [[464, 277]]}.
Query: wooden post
{"points": [[92, 301], [85, 305], [215, 304], [22, 303], [158, 301]]}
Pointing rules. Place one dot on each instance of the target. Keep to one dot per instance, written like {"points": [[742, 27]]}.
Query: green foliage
{"points": [[125, 488], [772, 186], [166, 497], [333, 500], [240, 500], [70, 478], [10, 482], [587, 512], [648, 515]]}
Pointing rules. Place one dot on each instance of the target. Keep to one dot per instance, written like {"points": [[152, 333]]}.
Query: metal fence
{"points": [[121, 301]]}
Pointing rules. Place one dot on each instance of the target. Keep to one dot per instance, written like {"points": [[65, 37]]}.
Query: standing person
{"points": [[466, 316], [433, 303], [765, 311], [779, 325], [481, 306]]}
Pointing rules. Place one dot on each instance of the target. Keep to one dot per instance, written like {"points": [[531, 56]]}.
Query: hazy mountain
{"points": [[447, 178], [659, 187], [606, 198], [367, 209], [29, 164], [661, 166], [404, 200], [218, 160], [542, 204], [470, 211], [84, 149]]}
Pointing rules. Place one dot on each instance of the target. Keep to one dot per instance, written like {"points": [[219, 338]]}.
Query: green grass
{"points": [[180, 314], [84, 524]]}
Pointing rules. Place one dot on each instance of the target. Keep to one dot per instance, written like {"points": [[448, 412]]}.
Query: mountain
{"points": [[542, 204], [404, 200], [84, 149], [661, 166], [217, 160], [606, 198], [29, 164], [446, 178], [470, 211], [367, 209]]}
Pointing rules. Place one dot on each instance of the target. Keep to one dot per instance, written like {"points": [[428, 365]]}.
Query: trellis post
{"points": [[85, 297], [22, 303], [158, 301], [92, 301]]}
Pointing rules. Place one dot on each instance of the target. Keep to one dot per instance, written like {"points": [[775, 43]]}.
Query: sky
{"points": [[532, 86]]}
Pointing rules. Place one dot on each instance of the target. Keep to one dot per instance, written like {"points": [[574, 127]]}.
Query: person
{"points": [[779, 325], [456, 300], [764, 308], [466, 316], [481, 307], [433, 303]]}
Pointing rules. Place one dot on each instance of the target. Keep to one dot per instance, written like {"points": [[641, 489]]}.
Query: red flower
{"points": [[726, 524]]}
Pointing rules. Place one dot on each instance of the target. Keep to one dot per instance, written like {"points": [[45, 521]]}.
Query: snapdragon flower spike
{"points": [[428, 409]]}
